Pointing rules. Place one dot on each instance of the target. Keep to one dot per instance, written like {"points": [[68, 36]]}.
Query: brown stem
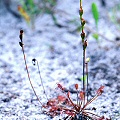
{"points": [[84, 73], [90, 102], [29, 74]]}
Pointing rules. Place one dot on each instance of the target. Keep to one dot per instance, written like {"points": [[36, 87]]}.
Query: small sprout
{"points": [[87, 60], [34, 61], [76, 86], [95, 13]]}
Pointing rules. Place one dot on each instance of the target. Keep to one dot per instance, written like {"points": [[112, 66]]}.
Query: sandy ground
{"points": [[59, 53]]}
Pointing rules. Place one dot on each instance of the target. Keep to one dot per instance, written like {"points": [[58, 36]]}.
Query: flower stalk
{"points": [[28, 74]]}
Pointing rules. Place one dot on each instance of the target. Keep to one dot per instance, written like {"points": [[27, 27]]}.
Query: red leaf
{"points": [[68, 94], [61, 98], [61, 87], [71, 113], [100, 90], [76, 86]]}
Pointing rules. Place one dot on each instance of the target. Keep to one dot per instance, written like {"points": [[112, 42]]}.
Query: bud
{"points": [[82, 35], [81, 12], [83, 22], [87, 60], [34, 61], [85, 44], [21, 31]]}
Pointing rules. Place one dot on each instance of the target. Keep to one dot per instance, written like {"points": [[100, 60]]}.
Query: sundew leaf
{"points": [[95, 13]]}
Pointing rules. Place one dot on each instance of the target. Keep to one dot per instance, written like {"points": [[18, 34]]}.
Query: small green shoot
{"points": [[95, 13]]}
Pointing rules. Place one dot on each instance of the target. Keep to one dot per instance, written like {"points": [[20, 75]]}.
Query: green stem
{"points": [[87, 79]]}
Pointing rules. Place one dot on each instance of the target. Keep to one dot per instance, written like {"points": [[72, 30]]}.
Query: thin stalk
{"points": [[77, 97], [29, 76], [92, 114], [84, 74], [22, 45], [84, 47], [41, 80], [87, 79], [90, 102]]}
